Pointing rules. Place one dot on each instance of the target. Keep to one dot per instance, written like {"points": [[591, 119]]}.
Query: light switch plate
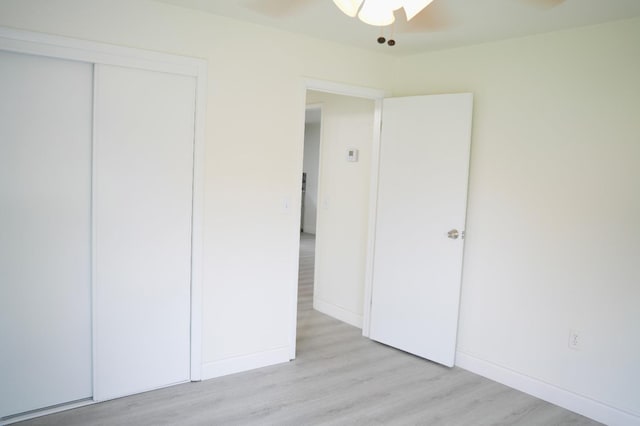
{"points": [[352, 155]]}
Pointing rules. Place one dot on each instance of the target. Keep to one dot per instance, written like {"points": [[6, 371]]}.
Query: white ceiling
{"points": [[443, 24]]}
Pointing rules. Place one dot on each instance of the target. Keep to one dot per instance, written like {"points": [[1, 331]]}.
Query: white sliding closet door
{"points": [[45, 212], [143, 176]]}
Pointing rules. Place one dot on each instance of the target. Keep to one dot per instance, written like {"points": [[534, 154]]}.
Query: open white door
{"points": [[421, 209]]}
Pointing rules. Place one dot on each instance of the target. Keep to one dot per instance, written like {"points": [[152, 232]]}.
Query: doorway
{"points": [[338, 157], [311, 168], [344, 261], [308, 212]]}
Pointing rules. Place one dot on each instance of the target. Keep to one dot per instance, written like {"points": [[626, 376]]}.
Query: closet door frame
{"points": [[26, 42]]}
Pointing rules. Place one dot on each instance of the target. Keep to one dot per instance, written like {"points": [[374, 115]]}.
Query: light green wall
{"points": [[553, 230], [254, 144]]}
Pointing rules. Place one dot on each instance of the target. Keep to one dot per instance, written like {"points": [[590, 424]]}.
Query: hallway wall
{"points": [[343, 200]]}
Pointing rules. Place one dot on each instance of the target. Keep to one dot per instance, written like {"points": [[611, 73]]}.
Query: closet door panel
{"points": [[143, 175], [45, 212]]}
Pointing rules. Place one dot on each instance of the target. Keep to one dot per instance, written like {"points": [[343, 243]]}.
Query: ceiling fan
{"points": [[406, 16], [381, 13]]}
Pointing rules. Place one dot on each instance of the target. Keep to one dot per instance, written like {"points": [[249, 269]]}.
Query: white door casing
{"points": [[422, 194]]}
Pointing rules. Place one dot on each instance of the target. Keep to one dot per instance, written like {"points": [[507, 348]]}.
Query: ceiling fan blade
{"points": [[277, 8], [543, 4], [433, 18]]}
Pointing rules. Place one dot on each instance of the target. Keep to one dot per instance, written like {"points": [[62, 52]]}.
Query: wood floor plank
{"points": [[338, 378]]}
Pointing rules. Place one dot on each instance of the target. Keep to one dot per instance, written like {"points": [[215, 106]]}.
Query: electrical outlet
{"points": [[575, 340]]}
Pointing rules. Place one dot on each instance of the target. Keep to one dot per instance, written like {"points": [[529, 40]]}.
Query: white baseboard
{"points": [[571, 401], [337, 312], [39, 413], [245, 363]]}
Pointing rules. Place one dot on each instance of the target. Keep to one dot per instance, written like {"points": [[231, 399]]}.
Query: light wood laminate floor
{"points": [[338, 378]]}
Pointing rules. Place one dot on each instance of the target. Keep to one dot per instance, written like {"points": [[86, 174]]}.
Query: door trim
{"points": [[27, 42]]}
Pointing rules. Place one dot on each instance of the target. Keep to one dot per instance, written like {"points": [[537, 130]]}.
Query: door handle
{"points": [[453, 234]]}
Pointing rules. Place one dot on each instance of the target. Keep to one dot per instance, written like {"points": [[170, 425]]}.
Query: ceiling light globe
{"points": [[377, 12], [349, 7]]}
